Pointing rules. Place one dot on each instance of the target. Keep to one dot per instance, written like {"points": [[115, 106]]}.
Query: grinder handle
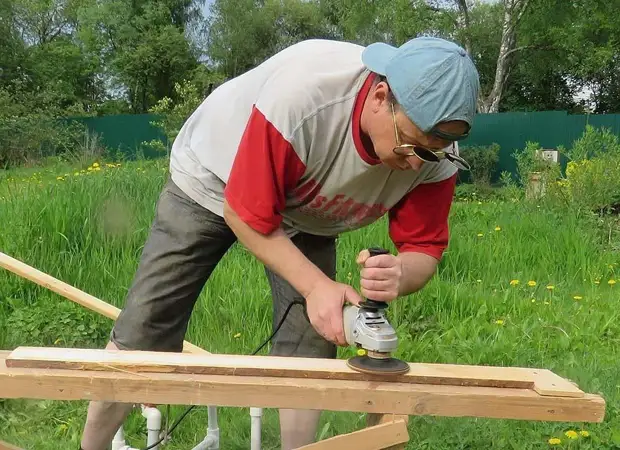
{"points": [[369, 303]]}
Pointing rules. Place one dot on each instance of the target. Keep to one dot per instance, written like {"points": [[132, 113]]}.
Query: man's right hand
{"points": [[324, 306]]}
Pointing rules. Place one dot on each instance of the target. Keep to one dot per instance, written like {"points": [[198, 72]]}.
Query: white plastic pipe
{"points": [[153, 425], [118, 443], [212, 439], [256, 414]]}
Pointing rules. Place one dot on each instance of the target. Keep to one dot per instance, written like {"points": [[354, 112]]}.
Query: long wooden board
{"points": [[386, 397], [542, 381], [378, 437], [71, 293], [7, 446]]}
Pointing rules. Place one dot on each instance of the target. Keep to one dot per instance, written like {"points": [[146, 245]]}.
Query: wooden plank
{"points": [[376, 419], [296, 393], [7, 446], [378, 437], [71, 293], [276, 366]]}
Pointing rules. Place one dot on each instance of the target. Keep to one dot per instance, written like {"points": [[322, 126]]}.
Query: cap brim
{"points": [[377, 56]]}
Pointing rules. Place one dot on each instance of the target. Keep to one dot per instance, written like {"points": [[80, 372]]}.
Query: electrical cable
{"points": [[187, 411]]}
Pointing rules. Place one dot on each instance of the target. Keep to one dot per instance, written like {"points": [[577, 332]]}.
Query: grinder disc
{"points": [[378, 366]]}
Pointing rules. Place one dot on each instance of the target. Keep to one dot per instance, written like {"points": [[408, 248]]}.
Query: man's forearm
{"points": [[418, 269], [277, 252]]}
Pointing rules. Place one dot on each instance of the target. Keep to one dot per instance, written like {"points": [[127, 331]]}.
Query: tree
{"points": [[143, 46], [243, 33]]}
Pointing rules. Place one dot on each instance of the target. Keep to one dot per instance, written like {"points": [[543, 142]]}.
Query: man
{"points": [[322, 138]]}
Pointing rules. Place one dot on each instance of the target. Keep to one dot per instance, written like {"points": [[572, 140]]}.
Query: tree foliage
{"points": [[63, 58]]}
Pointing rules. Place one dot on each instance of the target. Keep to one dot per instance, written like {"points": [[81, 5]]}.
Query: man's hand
{"points": [[324, 305], [381, 276]]}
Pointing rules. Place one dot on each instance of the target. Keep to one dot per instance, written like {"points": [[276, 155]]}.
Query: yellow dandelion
{"points": [[90, 169], [531, 283], [554, 441], [96, 164], [499, 322], [498, 229], [480, 234], [611, 282], [577, 297], [237, 335], [533, 300], [571, 434], [97, 168], [514, 282], [60, 178], [550, 287], [584, 433]]}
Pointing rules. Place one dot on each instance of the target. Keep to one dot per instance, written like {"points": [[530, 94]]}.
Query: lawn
{"points": [[521, 285]]}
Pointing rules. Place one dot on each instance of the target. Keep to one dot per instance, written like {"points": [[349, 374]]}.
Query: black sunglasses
{"points": [[424, 153]]}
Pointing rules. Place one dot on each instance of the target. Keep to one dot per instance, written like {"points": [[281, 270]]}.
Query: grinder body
{"points": [[366, 327], [369, 329]]}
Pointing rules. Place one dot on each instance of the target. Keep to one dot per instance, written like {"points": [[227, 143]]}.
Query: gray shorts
{"points": [[185, 243]]}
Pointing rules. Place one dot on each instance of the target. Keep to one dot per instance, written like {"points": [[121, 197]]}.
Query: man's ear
{"points": [[379, 96]]}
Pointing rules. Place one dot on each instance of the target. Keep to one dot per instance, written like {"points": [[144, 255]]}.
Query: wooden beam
{"points": [[376, 419], [296, 393], [542, 381], [7, 446], [71, 293], [378, 437]]}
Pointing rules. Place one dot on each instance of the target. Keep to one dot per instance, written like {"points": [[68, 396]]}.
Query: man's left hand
{"points": [[380, 277]]}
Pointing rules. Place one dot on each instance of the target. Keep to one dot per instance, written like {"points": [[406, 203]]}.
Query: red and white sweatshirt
{"points": [[281, 143]]}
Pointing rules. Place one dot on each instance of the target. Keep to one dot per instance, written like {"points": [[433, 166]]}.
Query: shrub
{"points": [[529, 161], [31, 131], [483, 160], [592, 179]]}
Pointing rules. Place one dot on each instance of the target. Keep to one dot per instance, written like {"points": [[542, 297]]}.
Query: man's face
{"points": [[391, 129]]}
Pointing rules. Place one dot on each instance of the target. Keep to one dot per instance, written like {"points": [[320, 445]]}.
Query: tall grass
{"points": [[86, 227]]}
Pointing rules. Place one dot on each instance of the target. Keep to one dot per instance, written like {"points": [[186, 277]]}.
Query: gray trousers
{"points": [[185, 244]]}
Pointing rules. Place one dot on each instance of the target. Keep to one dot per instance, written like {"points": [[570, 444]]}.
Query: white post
{"points": [[153, 425], [256, 414], [212, 439]]}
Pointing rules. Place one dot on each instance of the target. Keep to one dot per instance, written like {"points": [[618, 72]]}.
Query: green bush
{"points": [[30, 131], [592, 179], [483, 160], [529, 161]]}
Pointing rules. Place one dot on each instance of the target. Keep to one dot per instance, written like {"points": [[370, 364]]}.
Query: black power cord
{"points": [[187, 411]]}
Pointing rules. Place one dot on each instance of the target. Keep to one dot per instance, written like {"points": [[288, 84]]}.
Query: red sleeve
{"points": [[265, 168], [419, 222]]}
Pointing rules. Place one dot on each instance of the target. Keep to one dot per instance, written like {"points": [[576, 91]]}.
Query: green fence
{"points": [[551, 129], [511, 131], [125, 133]]}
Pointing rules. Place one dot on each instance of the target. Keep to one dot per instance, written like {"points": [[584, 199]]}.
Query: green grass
{"points": [[88, 230]]}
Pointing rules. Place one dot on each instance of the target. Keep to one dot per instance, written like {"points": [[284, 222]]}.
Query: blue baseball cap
{"points": [[434, 81]]}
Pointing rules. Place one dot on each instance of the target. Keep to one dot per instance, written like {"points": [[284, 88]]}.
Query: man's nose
{"points": [[415, 162]]}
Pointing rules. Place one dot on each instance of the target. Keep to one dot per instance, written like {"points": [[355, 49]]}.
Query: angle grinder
{"points": [[367, 328]]}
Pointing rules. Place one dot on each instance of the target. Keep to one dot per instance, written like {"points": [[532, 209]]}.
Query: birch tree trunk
{"points": [[513, 12]]}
